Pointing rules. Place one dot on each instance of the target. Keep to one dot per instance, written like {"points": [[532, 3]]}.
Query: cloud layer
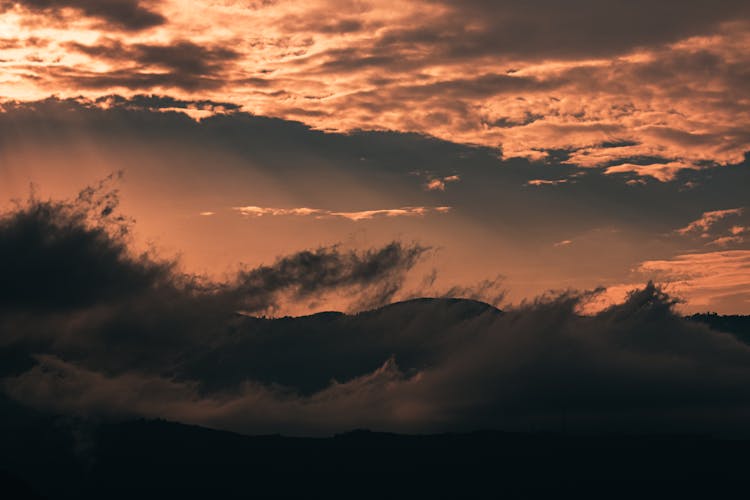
{"points": [[638, 89]]}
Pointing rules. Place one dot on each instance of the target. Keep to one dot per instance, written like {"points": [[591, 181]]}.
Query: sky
{"points": [[522, 146], [512, 205]]}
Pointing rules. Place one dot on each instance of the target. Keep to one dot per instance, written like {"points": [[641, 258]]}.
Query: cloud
{"points": [[96, 331], [708, 219], [726, 241], [78, 136], [253, 211], [377, 273], [667, 86], [438, 183], [663, 172], [490, 291], [131, 15], [318, 213], [706, 280], [546, 182], [634, 367], [715, 228], [161, 102], [179, 64], [72, 264], [607, 28], [435, 185], [74, 254]]}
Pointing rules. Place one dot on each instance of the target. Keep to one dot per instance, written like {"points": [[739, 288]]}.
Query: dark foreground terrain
{"points": [[44, 457], [48, 456]]}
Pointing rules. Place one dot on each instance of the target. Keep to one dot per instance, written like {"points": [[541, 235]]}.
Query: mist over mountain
{"points": [[90, 329]]}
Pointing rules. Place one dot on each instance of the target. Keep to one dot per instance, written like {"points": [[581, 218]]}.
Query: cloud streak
{"points": [[708, 219], [663, 172], [706, 279], [546, 182], [355, 216]]}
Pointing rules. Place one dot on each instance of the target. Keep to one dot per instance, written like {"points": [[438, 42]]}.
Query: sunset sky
{"points": [[532, 145]]}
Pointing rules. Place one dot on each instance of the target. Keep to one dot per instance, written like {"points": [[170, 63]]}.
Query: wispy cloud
{"points": [[663, 172], [546, 182], [704, 279], [725, 241], [708, 219], [715, 281], [319, 213]]}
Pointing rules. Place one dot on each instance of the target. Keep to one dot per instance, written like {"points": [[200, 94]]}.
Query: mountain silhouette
{"points": [[412, 332], [158, 459], [737, 325], [44, 454]]}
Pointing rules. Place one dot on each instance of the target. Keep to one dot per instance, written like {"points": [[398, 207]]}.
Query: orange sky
{"points": [[592, 143]]}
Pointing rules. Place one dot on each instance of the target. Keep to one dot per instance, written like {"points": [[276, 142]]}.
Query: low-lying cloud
{"points": [[94, 330]]}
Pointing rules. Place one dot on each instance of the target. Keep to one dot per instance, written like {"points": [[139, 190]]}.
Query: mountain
{"points": [[56, 456], [414, 333], [737, 325], [158, 459]]}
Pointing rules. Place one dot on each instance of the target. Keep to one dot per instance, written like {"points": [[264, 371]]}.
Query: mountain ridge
{"points": [[162, 459]]}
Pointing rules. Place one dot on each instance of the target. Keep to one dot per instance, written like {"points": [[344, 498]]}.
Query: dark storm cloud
{"points": [[74, 254], [477, 87], [378, 271], [156, 102], [331, 23], [183, 56], [520, 30], [130, 15], [50, 259], [549, 29], [181, 64], [134, 79]]}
